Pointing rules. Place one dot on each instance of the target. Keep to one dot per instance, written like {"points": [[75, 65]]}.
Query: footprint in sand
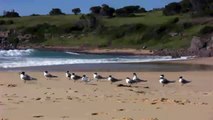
{"points": [[38, 99], [147, 87], [11, 85], [25, 97], [120, 110], [4, 118], [64, 117], [94, 113], [125, 118], [69, 98], [38, 116]]}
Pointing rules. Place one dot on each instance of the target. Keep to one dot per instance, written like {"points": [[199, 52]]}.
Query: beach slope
{"points": [[62, 99]]}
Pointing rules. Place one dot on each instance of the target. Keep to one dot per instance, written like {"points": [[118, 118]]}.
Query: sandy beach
{"points": [[62, 99]]}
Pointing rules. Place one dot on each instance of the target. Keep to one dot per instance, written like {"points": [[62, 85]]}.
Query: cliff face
{"points": [[4, 42], [202, 46], [8, 39]]}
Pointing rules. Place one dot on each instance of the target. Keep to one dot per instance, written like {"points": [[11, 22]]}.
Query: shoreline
{"points": [[109, 51], [121, 67]]}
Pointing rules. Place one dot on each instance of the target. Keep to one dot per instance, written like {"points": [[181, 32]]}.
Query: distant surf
{"points": [[32, 57]]}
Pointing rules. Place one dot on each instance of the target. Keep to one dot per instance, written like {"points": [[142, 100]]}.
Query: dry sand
{"points": [[62, 99]]}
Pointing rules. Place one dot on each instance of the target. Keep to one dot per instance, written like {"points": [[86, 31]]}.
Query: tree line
{"points": [[196, 7], [103, 10]]}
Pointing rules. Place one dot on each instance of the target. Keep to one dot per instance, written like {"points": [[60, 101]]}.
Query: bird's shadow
{"points": [[122, 85], [92, 84], [186, 82], [141, 80], [32, 81], [116, 80], [169, 81]]}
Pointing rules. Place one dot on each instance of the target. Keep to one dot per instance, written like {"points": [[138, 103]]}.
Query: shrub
{"points": [[9, 22], [174, 20], [172, 9], [206, 30], [2, 22], [187, 25]]}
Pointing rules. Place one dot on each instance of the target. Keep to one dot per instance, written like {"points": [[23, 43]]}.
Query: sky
{"points": [[28, 7]]}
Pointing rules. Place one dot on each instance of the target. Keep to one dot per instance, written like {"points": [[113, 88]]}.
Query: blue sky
{"points": [[27, 7]]}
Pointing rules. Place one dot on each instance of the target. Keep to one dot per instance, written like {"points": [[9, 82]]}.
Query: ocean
{"points": [[32, 57]]}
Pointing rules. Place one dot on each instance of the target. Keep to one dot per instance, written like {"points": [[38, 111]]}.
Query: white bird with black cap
{"points": [[47, 75], [25, 77]]}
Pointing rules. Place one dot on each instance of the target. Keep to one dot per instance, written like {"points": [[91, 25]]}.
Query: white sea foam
{"points": [[15, 53], [72, 53], [27, 62]]}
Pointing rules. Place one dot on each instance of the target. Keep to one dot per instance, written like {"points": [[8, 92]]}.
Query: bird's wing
{"points": [[27, 77], [77, 77]]}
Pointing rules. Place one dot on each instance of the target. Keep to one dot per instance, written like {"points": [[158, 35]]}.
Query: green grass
{"points": [[29, 21], [132, 38], [88, 40], [149, 19]]}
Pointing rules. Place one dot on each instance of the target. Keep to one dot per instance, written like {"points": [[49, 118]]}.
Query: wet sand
{"points": [[116, 67], [62, 99]]}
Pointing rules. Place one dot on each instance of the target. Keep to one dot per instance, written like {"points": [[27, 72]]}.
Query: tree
{"points": [[131, 9], [202, 6], [186, 6], [56, 11], [107, 11], [76, 11], [12, 13], [95, 9], [172, 9], [142, 10], [121, 12]]}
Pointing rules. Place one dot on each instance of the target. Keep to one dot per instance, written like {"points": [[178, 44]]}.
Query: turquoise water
{"points": [[32, 57]]}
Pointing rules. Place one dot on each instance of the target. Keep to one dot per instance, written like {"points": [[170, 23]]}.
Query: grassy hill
{"points": [[150, 29]]}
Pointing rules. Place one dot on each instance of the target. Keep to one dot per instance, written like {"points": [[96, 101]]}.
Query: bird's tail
{"points": [[53, 76], [33, 78]]}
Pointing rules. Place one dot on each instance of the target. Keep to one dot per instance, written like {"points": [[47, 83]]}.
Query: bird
{"points": [[136, 79], [183, 81], [25, 77], [97, 77], [68, 75], [163, 80], [47, 75], [129, 81], [75, 77], [112, 79], [85, 79]]}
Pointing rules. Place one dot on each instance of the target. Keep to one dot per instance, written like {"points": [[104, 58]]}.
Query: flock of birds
{"points": [[97, 77]]}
